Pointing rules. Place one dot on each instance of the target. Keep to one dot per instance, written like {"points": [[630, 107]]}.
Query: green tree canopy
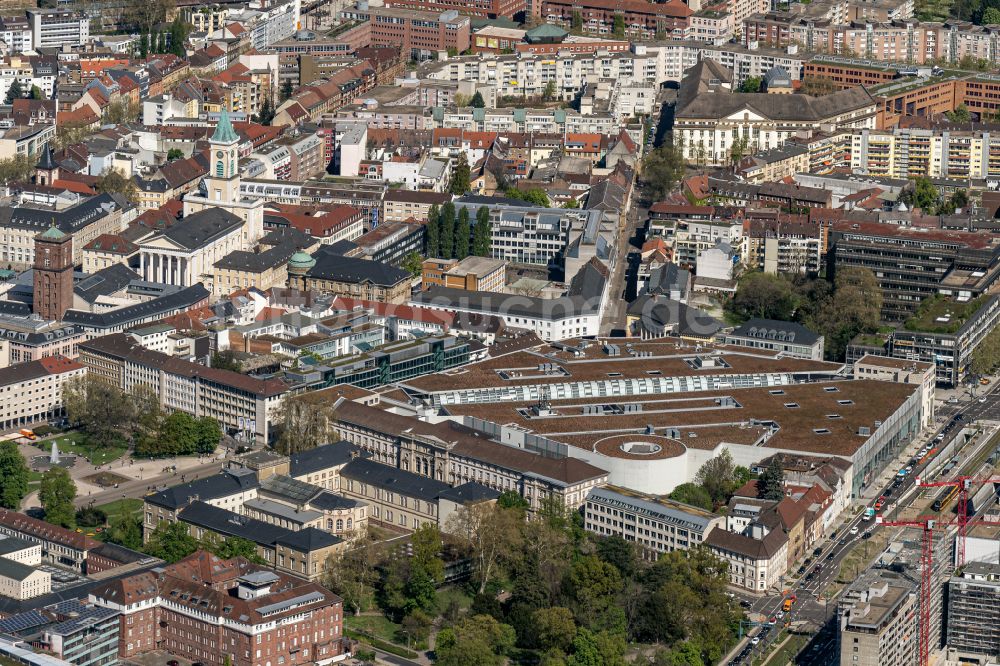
{"points": [[771, 484], [171, 542], [752, 84], [15, 91], [461, 176], [765, 296], [718, 477], [479, 639], [482, 233], [662, 169], [13, 476], [477, 101], [56, 495], [463, 234], [693, 494], [114, 181]]}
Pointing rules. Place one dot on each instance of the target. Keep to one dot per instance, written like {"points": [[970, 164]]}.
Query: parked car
{"points": [[854, 530], [817, 552]]}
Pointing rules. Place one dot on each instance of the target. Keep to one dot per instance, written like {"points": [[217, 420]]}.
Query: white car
{"points": [[854, 530], [755, 640], [779, 614]]}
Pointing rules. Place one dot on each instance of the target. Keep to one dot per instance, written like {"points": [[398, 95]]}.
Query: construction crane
{"points": [[927, 525], [963, 483]]}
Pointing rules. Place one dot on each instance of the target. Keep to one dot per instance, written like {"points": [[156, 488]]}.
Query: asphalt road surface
{"points": [[822, 650]]}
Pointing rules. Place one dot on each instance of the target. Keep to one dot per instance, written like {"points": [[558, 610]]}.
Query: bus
{"points": [[944, 498], [869, 513], [28, 434]]}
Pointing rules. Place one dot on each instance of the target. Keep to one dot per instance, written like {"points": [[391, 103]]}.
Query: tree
{"points": [[144, 45], [693, 494], [413, 263], [225, 360], [925, 195], [174, 154], [662, 169], [764, 296], [491, 534], [461, 176], [618, 27], [90, 517], [286, 89], [447, 231], [771, 484], [752, 84], [121, 111], [549, 93], [986, 357], [432, 234], [477, 101], [16, 169], [207, 435], [178, 35], [853, 307], [597, 649], [738, 151], [511, 499], [572, 203], [534, 195], [354, 574], [103, 412], [482, 233], [13, 476], [479, 639], [462, 234], [69, 134], [961, 113], [417, 625], [238, 547], [115, 181], [171, 542], [37, 93], [592, 586], [554, 628], [56, 494], [409, 582], [266, 112], [576, 22], [718, 477], [15, 91], [305, 424], [125, 530], [991, 16]]}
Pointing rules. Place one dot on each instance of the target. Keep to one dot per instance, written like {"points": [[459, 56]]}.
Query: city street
{"points": [[628, 243], [816, 609]]}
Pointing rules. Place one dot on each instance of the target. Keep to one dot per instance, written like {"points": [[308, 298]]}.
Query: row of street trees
{"points": [[453, 236]]}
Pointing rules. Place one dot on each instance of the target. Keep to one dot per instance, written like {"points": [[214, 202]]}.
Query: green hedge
{"points": [[379, 644]]}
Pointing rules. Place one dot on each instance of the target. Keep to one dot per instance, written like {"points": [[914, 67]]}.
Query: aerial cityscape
{"points": [[500, 332]]}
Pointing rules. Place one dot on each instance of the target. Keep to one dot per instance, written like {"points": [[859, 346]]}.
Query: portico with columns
{"points": [[184, 254]]}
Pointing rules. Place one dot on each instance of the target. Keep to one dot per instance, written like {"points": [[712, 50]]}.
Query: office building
{"points": [[784, 337], [31, 392], [657, 525], [973, 613], [58, 28], [418, 34], [479, 8]]}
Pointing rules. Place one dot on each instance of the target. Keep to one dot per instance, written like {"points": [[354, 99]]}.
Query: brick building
{"points": [[642, 19], [479, 8], [210, 610], [419, 34]]}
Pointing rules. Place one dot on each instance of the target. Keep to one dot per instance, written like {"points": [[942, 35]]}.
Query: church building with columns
{"points": [[216, 222]]}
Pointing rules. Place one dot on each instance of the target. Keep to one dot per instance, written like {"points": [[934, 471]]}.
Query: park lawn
{"points": [[77, 444], [123, 506], [34, 480], [378, 626], [457, 593]]}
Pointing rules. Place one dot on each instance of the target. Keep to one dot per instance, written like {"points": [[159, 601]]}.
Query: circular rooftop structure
{"points": [[301, 261], [636, 446]]}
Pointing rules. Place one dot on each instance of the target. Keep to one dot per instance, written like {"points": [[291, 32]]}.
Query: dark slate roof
{"points": [[469, 493], [201, 228], [330, 266], [697, 100], [230, 524], [328, 501], [397, 480], [657, 313], [163, 306], [227, 482], [14, 570], [47, 162], [322, 457], [13, 544], [780, 331], [308, 540], [105, 282], [14, 308], [67, 220], [667, 278], [341, 247]]}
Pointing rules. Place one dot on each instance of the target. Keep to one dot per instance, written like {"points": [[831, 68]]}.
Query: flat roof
{"points": [[818, 418], [637, 359]]}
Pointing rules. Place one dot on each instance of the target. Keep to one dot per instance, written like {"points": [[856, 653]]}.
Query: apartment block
{"points": [[58, 28], [243, 405], [31, 392], [471, 273], [643, 20], [973, 613], [478, 8], [418, 34]]}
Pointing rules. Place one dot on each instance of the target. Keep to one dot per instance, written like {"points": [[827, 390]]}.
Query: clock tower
{"points": [[222, 184]]}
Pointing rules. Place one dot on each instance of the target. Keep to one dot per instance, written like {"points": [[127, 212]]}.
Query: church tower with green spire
{"points": [[221, 186]]}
